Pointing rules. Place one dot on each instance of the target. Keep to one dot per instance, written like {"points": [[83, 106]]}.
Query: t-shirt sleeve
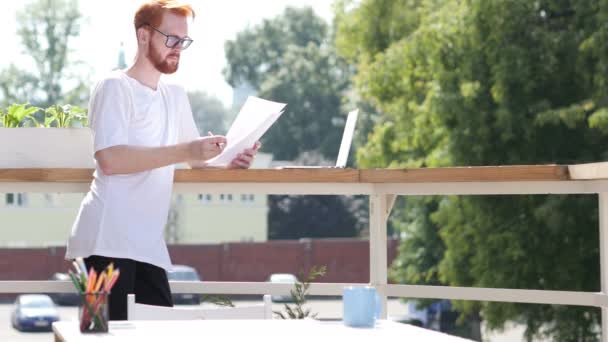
{"points": [[110, 114], [187, 128]]}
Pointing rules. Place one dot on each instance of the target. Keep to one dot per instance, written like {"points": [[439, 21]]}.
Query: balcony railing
{"points": [[382, 187]]}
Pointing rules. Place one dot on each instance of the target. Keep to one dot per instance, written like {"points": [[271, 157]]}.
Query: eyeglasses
{"points": [[172, 41]]}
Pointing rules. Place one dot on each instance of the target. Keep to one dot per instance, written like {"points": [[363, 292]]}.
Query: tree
{"points": [[296, 217], [209, 113], [45, 28], [291, 59], [489, 83], [259, 50], [312, 83], [12, 76]]}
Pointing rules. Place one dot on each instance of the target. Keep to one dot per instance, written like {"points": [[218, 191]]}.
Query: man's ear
{"points": [[143, 36]]}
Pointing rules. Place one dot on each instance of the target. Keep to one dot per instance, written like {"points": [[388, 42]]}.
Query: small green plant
{"points": [[299, 294], [63, 116], [15, 114], [217, 300]]}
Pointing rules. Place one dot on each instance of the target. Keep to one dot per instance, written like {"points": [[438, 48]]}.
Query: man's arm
{"points": [[123, 159]]}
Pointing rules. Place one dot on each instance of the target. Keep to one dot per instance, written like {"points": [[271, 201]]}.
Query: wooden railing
{"points": [[382, 187]]}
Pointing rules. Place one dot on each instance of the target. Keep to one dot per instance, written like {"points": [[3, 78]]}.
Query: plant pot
{"points": [[27, 147]]}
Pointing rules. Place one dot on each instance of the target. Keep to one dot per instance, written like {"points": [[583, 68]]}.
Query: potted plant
{"points": [[61, 139]]}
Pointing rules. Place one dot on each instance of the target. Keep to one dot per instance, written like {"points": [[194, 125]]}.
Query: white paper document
{"points": [[254, 119]]}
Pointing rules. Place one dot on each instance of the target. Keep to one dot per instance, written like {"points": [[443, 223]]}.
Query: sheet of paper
{"points": [[254, 119]]}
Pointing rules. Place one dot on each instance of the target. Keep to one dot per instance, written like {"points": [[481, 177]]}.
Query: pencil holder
{"points": [[93, 312]]}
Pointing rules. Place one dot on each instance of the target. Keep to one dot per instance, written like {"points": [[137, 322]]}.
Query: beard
{"points": [[161, 64]]}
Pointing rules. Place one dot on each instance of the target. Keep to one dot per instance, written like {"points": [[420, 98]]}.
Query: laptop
{"points": [[347, 139]]}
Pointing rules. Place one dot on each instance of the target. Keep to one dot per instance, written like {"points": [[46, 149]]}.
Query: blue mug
{"points": [[361, 306]]}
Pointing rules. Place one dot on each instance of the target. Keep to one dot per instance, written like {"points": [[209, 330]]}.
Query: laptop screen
{"points": [[347, 138]]}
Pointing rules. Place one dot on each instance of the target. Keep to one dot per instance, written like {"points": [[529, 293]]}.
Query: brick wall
{"points": [[347, 260]]}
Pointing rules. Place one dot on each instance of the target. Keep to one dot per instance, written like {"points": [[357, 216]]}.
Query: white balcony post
{"points": [[603, 209], [379, 208]]}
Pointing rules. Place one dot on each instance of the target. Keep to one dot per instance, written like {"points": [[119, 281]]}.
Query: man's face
{"points": [[165, 59]]}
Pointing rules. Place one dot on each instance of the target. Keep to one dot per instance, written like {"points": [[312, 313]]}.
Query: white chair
{"points": [[136, 311]]}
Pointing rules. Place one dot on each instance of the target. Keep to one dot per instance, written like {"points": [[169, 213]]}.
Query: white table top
{"points": [[249, 330]]}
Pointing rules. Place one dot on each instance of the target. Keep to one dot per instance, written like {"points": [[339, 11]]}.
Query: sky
{"points": [[108, 23]]}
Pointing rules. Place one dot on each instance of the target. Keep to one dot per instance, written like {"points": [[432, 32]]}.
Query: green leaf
{"points": [[35, 122], [48, 121], [64, 116], [16, 114], [599, 119]]}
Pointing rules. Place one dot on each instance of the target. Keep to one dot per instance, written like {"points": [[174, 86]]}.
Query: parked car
{"points": [[282, 278], [437, 316], [34, 312], [184, 273], [67, 298]]}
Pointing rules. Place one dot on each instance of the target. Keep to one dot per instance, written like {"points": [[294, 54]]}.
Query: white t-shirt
{"points": [[124, 216]]}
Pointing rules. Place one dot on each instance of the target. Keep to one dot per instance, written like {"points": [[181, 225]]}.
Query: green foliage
{"points": [[299, 294], [296, 217], [16, 114], [260, 50], [217, 300], [290, 59], [66, 116], [422, 249], [312, 82], [372, 26], [489, 83], [599, 120]]}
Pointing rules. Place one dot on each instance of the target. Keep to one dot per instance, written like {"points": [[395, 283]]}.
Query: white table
{"points": [[249, 330]]}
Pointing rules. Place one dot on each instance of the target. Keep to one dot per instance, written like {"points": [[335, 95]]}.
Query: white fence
{"points": [[382, 187]]}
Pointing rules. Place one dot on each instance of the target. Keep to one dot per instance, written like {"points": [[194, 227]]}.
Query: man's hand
{"points": [[205, 148], [245, 159], [124, 159]]}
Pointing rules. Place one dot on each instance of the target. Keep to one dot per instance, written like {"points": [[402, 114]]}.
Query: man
{"points": [[141, 128]]}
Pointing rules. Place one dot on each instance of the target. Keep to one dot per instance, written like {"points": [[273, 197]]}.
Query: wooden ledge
{"points": [[426, 175], [267, 176], [47, 175], [194, 176], [468, 174]]}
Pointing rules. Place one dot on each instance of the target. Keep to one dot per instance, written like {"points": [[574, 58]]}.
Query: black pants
{"points": [[149, 283]]}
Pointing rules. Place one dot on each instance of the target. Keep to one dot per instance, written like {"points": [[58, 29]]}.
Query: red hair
{"points": [[151, 12]]}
